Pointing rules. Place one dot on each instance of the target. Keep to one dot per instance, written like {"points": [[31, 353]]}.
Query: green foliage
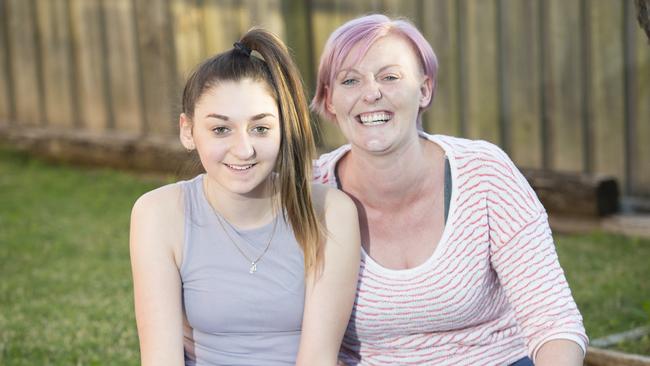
{"points": [[65, 288]]}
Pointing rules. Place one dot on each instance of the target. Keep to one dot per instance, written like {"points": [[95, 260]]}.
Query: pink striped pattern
{"points": [[492, 292]]}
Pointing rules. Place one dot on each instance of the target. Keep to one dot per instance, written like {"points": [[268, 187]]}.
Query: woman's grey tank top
{"points": [[239, 318]]}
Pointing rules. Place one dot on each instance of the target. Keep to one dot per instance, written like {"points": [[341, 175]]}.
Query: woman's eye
{"points": [[220, 130], [349, 82], [390, 78]]}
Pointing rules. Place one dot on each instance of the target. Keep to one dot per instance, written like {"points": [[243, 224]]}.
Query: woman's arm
{"points": [[559, 352], [522, 253], [156, 280], [329, 294]]}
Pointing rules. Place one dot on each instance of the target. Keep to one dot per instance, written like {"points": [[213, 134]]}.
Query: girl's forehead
{"points": [[239, 97]]}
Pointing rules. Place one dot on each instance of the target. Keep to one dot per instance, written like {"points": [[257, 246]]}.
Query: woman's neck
{"points": [[391, 180], [243, 211]]}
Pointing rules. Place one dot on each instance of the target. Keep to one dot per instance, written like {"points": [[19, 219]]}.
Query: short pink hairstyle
{"points": [[364, 31]]}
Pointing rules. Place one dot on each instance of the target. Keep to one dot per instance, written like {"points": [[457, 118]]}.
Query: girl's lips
{"points": [[239, 167]]}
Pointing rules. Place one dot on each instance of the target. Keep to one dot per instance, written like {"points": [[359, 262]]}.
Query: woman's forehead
{"points": [[391, 50]]}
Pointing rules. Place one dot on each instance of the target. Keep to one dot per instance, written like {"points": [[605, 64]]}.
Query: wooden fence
{"points": [[559, 84]]}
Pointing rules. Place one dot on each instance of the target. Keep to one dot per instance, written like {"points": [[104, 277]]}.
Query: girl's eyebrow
{"points": [[257, 117], [218, 116]]}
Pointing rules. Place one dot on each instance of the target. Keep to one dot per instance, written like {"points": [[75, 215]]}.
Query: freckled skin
{"points": [[388, 79]]}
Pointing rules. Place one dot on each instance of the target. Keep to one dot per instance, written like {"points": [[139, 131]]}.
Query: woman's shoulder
{"points": [[323, 167], [464, 146]]}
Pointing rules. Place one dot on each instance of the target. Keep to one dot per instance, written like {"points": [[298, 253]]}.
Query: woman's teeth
{"points": [[375, 118], [239, 167]]}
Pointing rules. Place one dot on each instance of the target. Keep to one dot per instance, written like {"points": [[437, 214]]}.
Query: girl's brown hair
{"points": [[262, 56]]}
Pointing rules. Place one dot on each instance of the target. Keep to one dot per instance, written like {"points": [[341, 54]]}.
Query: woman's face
{"points": [[376, 100], [236, 132]]}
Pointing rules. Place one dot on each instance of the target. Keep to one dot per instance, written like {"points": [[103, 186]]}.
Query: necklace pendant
{"points": [[253, 268]]}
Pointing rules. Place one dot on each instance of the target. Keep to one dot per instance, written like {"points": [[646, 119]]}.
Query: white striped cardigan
{"points": [[493, 290]]}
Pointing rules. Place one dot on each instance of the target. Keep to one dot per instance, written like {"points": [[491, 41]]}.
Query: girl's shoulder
{"points": [[164, 201], [158, 222], [332, 203]]}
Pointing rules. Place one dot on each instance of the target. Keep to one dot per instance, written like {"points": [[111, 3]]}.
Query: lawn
{"points": [[65, 288]]}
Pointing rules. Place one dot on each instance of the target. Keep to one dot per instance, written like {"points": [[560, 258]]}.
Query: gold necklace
{"points": [[253, 267]]}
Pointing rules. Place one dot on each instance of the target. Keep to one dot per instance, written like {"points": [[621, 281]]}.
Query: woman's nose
{"points": [[372, 93]]}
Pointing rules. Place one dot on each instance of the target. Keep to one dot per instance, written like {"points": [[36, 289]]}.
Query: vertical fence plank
{"points": [[53, 24], [482, 91], [89, 59], [461, 57], [265, 14], [608, 87], [217, 32], [409, 9], [122, 66], [187, 18], [438, 26], [585, 86], [640, 167], [299, 39], [325, 18], [7, 103], [73, 62], [546, 90], [158, 65], [22, 30], [523, 82], [565, 116]]}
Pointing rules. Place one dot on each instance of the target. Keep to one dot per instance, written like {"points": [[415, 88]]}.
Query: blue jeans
{"points": [[526, 361]]}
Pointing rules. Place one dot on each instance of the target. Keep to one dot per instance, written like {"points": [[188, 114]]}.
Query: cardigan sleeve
{"points": [[523, 255]]}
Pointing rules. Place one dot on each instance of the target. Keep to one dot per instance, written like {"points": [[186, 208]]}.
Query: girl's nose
{"points": [[242, 147]]}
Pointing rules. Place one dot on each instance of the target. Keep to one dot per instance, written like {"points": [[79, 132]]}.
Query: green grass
{"points": [[65, 279], [609, 277]]}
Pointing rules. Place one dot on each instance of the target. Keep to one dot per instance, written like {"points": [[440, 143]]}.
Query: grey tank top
{"points": [[239, 318]]}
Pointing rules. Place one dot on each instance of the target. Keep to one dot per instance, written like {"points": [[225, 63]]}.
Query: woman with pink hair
{"points": [[458, 265]]}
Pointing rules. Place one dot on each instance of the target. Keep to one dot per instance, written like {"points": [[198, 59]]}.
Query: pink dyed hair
{"points": [[363, 32]]}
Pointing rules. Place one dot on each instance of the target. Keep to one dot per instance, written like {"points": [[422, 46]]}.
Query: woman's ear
{"points": [[328, 101], [426, 92], [185, 132]]}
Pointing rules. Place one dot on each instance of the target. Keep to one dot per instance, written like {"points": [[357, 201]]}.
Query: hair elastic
{"points": [[242, 48]]}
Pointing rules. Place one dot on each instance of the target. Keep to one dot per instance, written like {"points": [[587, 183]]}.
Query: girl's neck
{"points": [[245, 211]]}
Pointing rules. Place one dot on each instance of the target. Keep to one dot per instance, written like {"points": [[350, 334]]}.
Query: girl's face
{"points": [[376, 100], [236, 132]]}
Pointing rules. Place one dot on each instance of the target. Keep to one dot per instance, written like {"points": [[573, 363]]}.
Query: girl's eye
{"points": [[349, 82], [390, 78], [260, 130], [220, 130]]}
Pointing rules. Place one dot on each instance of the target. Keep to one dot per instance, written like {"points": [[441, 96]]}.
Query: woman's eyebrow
{"points": [[351, 69]]}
